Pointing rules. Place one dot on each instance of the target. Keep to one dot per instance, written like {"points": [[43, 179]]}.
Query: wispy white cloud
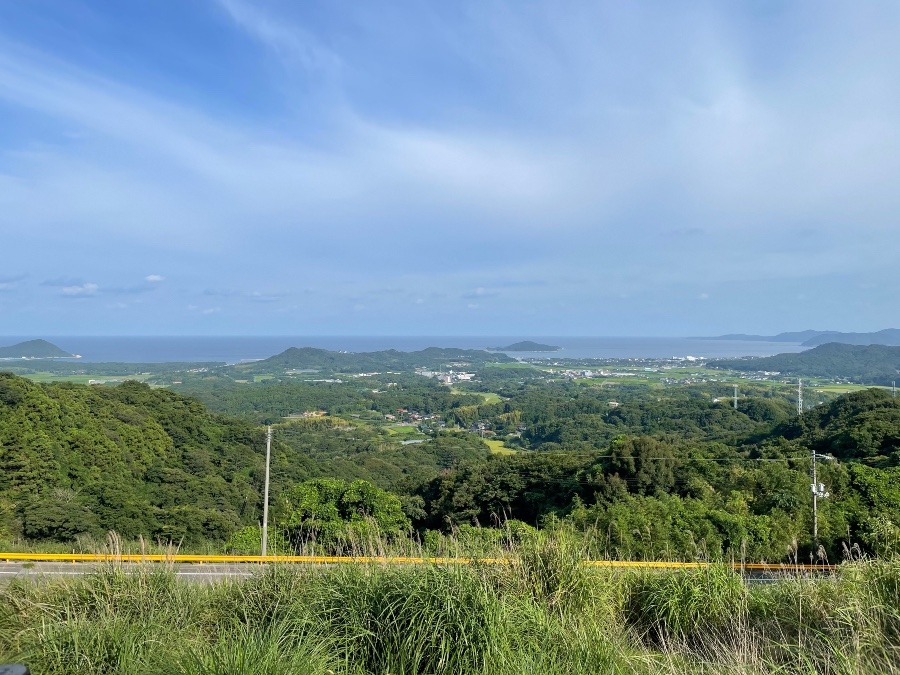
{"points": [[80, 291], [481, 292], [637, 148], [287, 39], [221, 175]]}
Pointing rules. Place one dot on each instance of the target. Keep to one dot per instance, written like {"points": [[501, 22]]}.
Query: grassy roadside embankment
{"points": [[543, 612]]}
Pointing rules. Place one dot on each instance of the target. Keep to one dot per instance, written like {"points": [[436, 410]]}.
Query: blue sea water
{"points": [[233, 349]]}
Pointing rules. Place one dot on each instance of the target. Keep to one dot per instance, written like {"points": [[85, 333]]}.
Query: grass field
{"points": [[489, 397], [514, 364], [498, 448], [840, 388], [402, 429]]}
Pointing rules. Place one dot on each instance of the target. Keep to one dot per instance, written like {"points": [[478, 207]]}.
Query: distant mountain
{"points": [[527, 346], [303, 358], [814, 338], [795, 337], [888, 336], [33, 349], [866, 364]]}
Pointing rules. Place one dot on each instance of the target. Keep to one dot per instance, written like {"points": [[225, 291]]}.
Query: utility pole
{"points": [[818, 492], [735, 397], [265, 527], [818, 489], [815, 493]]}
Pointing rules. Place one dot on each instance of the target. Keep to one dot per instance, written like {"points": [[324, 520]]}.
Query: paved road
{"points": [[191, 572], [209, 572]]}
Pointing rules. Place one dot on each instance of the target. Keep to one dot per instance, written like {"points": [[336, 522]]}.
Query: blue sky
{"points": [[448, 168]]}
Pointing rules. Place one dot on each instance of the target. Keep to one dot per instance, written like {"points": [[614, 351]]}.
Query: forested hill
{"points": [[136, 460], [33, 349], [527, 346], [864, 426], [871, 364], [302, 358], [78, 459], [653, 476]]}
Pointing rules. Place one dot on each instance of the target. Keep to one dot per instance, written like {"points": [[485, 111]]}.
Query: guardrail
{"points": [[384, 560]]}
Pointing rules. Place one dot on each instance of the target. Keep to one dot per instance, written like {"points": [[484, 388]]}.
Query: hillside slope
{"points": [[872, 364], [863, 425], [136, 460]]}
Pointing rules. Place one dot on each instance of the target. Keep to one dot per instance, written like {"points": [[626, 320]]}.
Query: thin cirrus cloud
{"points": [[290, 42], [73, 287], [470, 150], [222, 176]]}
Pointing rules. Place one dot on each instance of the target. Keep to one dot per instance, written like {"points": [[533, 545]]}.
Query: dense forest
{"points": [[78, 459], [675, 472], [269, 401]]}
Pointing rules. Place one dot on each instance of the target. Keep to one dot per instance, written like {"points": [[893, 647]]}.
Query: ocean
{"points": [[234, 349]]}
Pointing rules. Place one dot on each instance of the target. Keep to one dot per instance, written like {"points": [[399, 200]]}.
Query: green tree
{"points": [[335, 513]]}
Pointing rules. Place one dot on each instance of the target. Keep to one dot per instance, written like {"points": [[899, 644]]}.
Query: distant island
{"points": [[34, 349], [795, 337], [434, 358], [526, 346], [813, 338], [889, 337]]}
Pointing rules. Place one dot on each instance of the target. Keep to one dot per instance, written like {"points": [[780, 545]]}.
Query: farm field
{"points": [[499, 447]]}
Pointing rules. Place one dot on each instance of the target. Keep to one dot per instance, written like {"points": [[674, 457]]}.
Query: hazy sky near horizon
{"points": [[448, 168]]}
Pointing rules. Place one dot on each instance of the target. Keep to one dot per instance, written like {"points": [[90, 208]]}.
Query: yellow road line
{"points": [[386, 560]]}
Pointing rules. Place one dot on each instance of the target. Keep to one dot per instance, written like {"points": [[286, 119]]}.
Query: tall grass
{"points": [[685, 606], [542, 612]]}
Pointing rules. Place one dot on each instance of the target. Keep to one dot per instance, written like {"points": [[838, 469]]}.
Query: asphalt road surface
{"points": [[207, 572]]}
